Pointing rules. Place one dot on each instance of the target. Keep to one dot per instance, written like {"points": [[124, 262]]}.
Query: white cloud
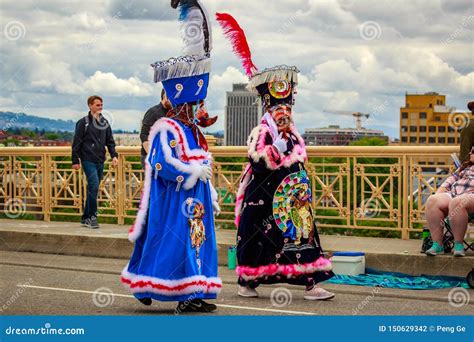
{"points": [[59, 76], [109, 84], [48, 73], [220, 83], [88, 21], [6, 102], [106, 47], [465, 84]]}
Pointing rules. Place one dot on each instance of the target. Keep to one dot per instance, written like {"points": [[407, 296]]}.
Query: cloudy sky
{"points": [[355, 55]]}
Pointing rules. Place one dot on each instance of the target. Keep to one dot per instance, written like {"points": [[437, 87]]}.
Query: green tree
{"points": [[51, 136], [369, 141], [27, 133], [11, 141]]}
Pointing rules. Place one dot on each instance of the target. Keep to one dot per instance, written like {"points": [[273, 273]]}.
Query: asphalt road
{"points": [[43, 284]]}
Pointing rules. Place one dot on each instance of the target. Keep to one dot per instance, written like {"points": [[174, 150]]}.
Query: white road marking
{"points": [[73, 290], [265, 309], [130, 296]]}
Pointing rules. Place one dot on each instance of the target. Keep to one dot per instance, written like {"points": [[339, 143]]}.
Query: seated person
{"points": [[454, 199]]}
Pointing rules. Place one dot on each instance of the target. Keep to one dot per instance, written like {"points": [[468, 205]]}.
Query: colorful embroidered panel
{"points": [[291, 206]]}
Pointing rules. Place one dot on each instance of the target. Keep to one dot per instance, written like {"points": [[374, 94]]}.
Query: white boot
{"points": [[245, 291], [317, 293]]}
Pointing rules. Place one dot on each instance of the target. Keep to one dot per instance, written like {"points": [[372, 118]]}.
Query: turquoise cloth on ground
{"points": [[397, 280]]}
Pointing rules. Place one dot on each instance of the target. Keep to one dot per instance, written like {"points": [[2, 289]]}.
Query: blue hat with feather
{"points": [[186, 78]]}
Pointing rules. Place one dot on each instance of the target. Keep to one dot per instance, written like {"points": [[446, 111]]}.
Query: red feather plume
{"points": [[236, 35]]}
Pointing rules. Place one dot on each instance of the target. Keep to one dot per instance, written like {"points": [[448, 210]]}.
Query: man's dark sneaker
{"points": [[93, 223], [145, 301], [210, 307], [195, 305], [84, 222]]}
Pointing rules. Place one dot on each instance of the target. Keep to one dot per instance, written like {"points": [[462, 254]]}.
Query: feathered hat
{"points": [[186, 78], [275, 85]]}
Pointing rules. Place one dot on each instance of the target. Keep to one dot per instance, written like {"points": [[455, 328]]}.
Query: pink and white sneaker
{"points": [[317, 293], [247, 292]]}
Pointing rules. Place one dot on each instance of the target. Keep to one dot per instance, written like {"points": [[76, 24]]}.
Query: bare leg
{"points": [[437, 208], [459, 209]]}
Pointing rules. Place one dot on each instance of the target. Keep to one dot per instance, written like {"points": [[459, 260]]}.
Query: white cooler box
{"points": [[348, 263]]}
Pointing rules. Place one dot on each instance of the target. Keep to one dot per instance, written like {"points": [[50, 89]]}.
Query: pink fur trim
{"points": [[138, 283], [289, 271], [267, 151], [273, 159]]}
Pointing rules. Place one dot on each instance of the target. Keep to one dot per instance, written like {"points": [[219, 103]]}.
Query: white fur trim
{"points": [[168, 125], [253, 144], [297, 154], [193, 168], [272, 126], [143, 209], [202, 288], [214, 196]]}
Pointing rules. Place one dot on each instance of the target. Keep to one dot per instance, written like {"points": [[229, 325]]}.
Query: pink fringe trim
{"points": [[289, 271], [268, 151], [272, 157]]}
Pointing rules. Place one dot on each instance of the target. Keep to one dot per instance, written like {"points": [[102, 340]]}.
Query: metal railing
{"points": [[354, 187]]}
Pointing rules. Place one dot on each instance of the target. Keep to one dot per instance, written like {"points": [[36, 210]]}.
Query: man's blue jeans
{"points": [[94, 172]]}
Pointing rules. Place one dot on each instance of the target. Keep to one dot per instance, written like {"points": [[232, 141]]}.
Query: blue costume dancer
{"points": [[175, 255]]}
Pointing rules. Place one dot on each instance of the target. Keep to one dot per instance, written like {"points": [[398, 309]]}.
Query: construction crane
{"points": [[358, 116]]}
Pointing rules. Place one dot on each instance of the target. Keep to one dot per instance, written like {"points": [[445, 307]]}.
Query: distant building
{"points": [[216, 138], [127, 139], [241, 115], [12, 140], [46, 142], [3, 136], [336, 136], [426, 119], [210, 139], [394, 142], [19, 140]]}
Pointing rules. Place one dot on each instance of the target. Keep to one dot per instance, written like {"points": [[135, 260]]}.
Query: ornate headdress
{"points": [[186, 78], [275, 85]]}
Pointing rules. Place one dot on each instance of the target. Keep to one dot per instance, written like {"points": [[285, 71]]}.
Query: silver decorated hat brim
{"points": [[183, 66], [277, 73]]}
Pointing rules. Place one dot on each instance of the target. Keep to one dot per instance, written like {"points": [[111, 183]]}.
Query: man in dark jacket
{"points": [[467, 136], [151, 116], [93, 133]]}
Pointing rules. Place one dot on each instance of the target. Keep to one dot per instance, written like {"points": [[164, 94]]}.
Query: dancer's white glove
{"points": [[206, 173], [217, 209], [280, 143]]}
